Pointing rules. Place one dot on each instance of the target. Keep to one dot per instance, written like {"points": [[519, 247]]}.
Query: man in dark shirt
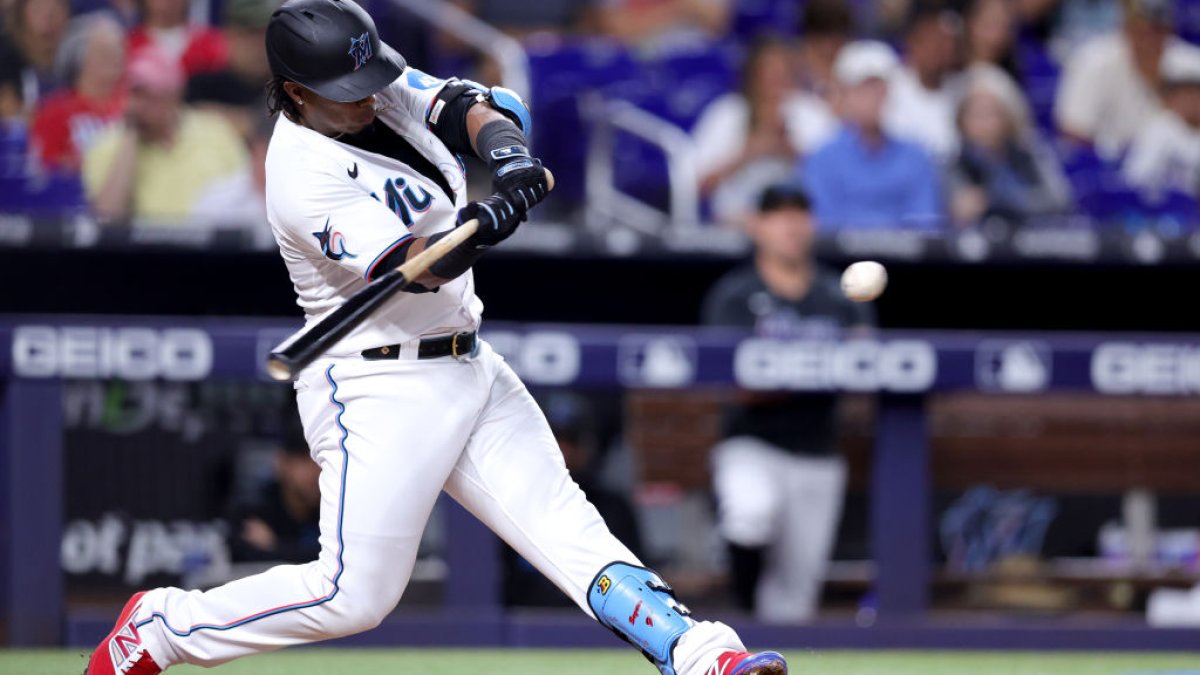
{"points": [[777, 475], [280, 523]]}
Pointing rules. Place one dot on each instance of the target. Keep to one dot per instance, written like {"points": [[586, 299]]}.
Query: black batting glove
{"points": [[514, 171], [498, 215]]}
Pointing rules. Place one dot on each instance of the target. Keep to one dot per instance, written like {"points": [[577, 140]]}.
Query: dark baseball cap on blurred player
{"points": [[783, 196], [331, 47]]}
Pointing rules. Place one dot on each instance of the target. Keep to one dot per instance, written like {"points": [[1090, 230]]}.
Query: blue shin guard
{"points": [[641, 609]]}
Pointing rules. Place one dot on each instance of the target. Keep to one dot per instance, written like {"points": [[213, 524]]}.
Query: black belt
{"points": [[459, 344]]}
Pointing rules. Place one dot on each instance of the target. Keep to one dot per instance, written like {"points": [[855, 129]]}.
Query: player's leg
{"points": [[796, 566], [750, 502], [512, 476], [382, 464]]}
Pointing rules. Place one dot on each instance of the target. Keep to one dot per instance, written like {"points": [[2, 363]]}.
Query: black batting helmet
{"points": [[332, 48]]}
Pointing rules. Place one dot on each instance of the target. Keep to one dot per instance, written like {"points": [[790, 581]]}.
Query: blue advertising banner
{"points": [[187, 350]]}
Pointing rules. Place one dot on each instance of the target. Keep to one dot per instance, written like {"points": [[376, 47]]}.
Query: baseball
{"points": [[864, 281]]}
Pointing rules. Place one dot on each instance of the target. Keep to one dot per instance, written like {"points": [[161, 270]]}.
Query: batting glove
{"points": [[498, 215], [515, 171]]}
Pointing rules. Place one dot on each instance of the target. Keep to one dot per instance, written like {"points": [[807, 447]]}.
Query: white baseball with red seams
{"points": [[391, 435]]}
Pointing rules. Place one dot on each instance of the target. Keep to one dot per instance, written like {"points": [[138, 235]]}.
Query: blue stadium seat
{"points": [[753, 18], [1039, 74], [1187, 20], [561, 73]]}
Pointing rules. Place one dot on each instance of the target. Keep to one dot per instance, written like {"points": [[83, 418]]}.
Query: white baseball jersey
{"points": [[355, 207]]}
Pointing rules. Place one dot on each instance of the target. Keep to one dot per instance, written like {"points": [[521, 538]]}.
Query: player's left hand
{"points": [[521, 176], [498, 216]]}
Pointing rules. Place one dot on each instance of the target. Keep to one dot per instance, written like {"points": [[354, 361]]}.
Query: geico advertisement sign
{"points": [[539, 357], [855, 365], [1131, 368], [127, 353]]}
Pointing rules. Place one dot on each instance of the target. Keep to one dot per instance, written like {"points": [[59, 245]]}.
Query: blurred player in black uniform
{"points": [[778, 478]]}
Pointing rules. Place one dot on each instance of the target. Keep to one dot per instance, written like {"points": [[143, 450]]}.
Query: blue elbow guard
{"points": [[511, 105], [638, 606]]}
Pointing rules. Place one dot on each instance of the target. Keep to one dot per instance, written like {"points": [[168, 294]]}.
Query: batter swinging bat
{"points": [[302, 348]]}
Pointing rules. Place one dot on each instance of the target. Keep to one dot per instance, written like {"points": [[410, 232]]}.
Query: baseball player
{"points": [[362, 172]]}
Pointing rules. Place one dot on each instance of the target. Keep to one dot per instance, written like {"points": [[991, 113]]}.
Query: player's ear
{"points": [[294, 92]]}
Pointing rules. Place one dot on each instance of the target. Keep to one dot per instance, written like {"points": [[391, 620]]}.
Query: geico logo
{"points": [[856, 365], [1128, 368], [540, 357], [126, 353]]}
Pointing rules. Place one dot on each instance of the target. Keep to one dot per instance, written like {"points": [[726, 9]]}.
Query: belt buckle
{"points": [[454, 347]]}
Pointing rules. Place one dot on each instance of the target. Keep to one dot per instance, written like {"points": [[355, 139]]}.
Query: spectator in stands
{"points": [[165, 26], [865, 178], [748, 140], [1002, 170], [155, 165], [28, 46], [281, 523], [238, 201], [826, 26], [655, 26], [1108, 88], [92, 60], [238, 90], [777, 474], [1164, 156], [991, 34], [923, 95]]}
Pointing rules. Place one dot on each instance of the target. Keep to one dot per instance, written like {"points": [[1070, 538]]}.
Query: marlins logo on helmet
{"points": [[360, 50]]}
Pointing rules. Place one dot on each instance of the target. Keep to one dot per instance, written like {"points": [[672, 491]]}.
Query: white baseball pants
{"points": [[389, 437], [790, 504]]}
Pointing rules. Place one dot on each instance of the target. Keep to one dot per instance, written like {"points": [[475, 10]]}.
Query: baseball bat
{"points": [[302, 348]]}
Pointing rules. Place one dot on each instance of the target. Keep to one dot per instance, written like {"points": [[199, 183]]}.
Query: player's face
{"points": [[785, 233], [334, 119]]}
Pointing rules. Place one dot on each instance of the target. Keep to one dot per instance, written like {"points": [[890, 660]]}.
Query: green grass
{"points": [[316, 661]]}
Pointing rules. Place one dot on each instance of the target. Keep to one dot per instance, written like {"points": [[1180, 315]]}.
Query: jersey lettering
{"points": [[403, 201]]}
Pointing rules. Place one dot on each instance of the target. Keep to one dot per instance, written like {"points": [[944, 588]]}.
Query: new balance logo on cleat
{"points": [[123, 647], [744, 663]]}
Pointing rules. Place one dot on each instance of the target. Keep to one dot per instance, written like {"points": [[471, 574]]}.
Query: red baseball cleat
{"points": [[122, 653], [745, 663]]}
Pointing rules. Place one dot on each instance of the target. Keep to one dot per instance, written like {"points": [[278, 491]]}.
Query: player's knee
{"points": [[357, 616]]}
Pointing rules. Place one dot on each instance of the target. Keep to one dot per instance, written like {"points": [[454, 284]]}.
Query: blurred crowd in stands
{"points": [[920, 114]]}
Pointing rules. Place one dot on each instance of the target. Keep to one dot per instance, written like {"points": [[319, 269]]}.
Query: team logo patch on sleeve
{"points": [[360, 50], [332, 243]]}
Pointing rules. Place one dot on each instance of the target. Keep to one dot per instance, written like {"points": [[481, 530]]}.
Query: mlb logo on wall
{"points": [[360, 50], [1015, 366], [661, 361]]}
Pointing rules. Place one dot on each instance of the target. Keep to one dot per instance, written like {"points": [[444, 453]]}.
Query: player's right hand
{"points": [[498, 215]]}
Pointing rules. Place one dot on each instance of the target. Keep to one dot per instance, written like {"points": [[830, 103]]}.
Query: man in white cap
{"points": [[1164, 156], [864, 178], [1109, 85]]}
